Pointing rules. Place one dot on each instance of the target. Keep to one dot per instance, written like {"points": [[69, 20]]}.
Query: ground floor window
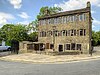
{"points": [[51, 46], [72, 46], [78, 47], [67, 46], [29, 46]]}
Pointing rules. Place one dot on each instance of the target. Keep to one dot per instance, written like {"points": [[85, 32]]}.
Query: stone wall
{"points": [[84, 40]]}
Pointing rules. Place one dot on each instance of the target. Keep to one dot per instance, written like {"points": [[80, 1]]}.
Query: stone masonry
{"points": [[77, 38]]}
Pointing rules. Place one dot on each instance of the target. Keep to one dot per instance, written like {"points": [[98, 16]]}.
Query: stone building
{"points": [[66, 31]]}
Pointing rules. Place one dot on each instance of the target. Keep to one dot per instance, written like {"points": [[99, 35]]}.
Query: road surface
{"points": [[76, 68]]}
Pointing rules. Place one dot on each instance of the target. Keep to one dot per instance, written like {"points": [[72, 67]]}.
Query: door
{"points": [[60, 48], [47, 45]]}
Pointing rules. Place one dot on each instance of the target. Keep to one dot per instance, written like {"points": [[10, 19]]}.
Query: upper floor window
{"points": [[71, 18], [56, 33], [48, 21], [43, 34], [55, 20], [82, 32], [63, 32], [64, 19], [49, 33], [73, 32], [43, 22], [52, 21], [82, 17], [68, 33], [68, 19]]}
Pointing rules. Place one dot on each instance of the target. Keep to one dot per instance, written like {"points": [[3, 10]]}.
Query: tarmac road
{"points": [[76, 68]]}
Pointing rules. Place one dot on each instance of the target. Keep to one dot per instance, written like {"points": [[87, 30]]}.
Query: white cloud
{"points": [[93, 12], [96, 22], [24, 15], [4, 17], [76, 4], [16, 3]]}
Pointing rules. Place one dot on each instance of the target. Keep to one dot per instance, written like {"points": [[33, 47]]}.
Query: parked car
{"points": [[5, 48]]}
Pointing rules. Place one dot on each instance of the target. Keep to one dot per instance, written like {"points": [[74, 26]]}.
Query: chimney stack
{"points": [[88, 4]]}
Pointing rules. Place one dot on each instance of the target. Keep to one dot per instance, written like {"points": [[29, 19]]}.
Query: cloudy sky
{"points": [[25, 11]]}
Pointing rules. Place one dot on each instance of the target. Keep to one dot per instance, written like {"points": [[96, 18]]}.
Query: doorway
{"points": [[60, 48]]}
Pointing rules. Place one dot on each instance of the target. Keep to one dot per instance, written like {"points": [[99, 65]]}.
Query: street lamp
{"points": [[54, 27]]}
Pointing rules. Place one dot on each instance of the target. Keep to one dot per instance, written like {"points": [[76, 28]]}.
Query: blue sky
{"points": [[25, 11]]}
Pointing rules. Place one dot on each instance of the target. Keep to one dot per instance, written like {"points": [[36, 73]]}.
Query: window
{"points": [[43, 22], [56, 33], [72, 46], [84, 32], [43, 34], [51, 46], [49, 33], [55, 20], [59, 20], [64, 20], [67, 46], [71, 18], [81, 32], [40, 34], [59, 33], [77, 32], [73, 32], [82, 17], [52, 21], [78, 47], [68, 33], [63, 32], [48, 21], [74, 18], [68, 19]]}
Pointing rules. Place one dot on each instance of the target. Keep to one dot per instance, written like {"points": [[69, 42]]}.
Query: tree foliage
{"points": [[48, 10], [14, 32], [33, 37], [96, 38]]}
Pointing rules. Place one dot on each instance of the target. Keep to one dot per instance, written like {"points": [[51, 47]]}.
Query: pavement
{"points": [[41, 58]]}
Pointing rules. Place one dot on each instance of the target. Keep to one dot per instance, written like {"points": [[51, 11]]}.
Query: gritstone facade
{"points": [[66, 31]]}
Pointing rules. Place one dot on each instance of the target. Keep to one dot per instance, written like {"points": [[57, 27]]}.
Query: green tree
{"points": [[14, 32], [33, 36], [96, 38], [48, 11]]}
